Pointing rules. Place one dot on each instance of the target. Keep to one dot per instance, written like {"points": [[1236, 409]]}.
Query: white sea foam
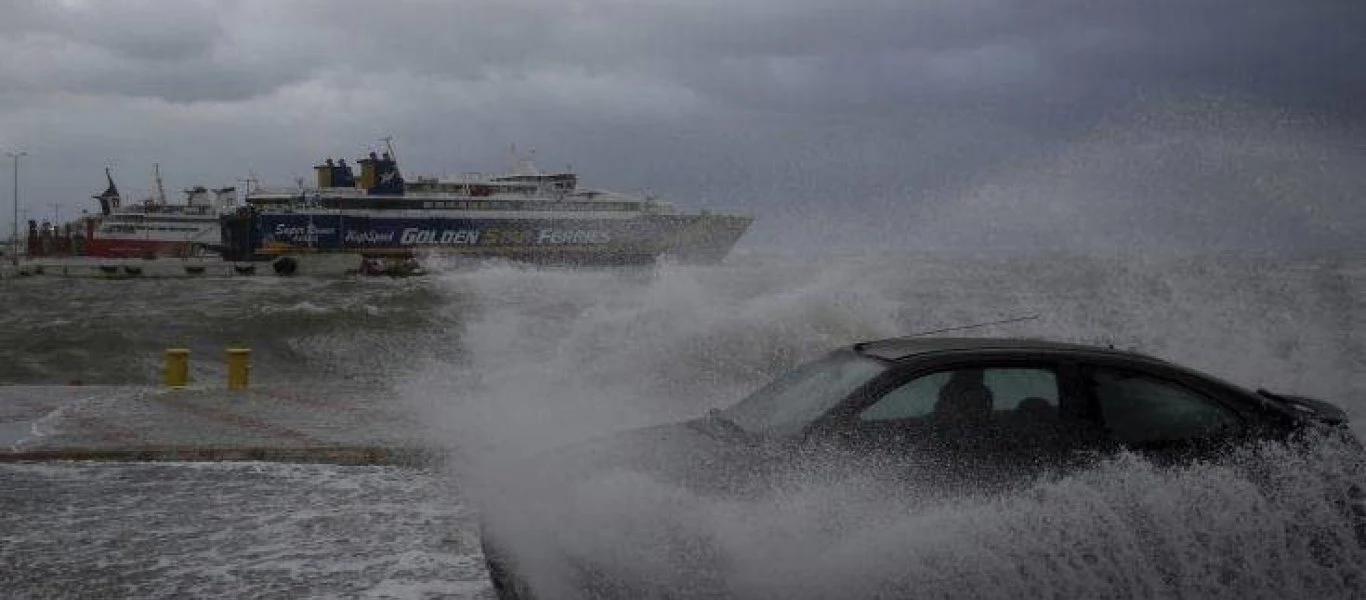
{"points": [[548, 357], [232, 530], [501, 361]]}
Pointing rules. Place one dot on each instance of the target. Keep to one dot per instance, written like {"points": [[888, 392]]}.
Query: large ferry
{"points": [[525, 215]]}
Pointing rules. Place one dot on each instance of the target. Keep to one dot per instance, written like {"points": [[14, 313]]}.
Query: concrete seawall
{"points": [[337, 425], [127, 268], [324, 265], [337, 455]]}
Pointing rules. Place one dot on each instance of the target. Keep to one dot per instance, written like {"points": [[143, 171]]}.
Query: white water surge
{"points": [[553, 357], [504, 361]]}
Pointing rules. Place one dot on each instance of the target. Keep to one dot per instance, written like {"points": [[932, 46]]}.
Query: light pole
{"points": [[15, 250]]}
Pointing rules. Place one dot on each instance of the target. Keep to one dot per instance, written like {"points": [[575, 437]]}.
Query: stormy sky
{"points": [[915, 125]]}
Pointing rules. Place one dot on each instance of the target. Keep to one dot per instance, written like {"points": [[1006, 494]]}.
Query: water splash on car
{"points": [[552, 358]]}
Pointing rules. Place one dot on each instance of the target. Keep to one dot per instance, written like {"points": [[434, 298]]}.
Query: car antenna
{"points": [[974, 326]]}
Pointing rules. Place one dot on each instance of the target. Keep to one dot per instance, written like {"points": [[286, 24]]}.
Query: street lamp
{"points": [[15, 249]]}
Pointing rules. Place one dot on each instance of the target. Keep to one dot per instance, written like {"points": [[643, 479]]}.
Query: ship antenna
{"points": [[974, 326], [161, 191], [388, 145]]}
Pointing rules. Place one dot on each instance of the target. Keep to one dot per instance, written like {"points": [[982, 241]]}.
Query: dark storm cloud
{"points": [[135, 31], [789, 55], [177, 51], [1298, 54], [816, 115], [889, 56]]}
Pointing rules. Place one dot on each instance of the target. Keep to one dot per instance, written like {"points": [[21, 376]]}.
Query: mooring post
{"points": [[239, 368], [177, 367]]}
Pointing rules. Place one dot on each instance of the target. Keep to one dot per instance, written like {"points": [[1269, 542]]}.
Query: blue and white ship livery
{"points": [[525, 215]]}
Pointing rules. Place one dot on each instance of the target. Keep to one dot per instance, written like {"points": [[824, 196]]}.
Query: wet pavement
{"points": [[285, 423], [234, 530], [228, 510]]}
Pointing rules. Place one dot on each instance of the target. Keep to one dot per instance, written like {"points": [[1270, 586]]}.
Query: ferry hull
{"points": [[115, 248], [639, 239]]}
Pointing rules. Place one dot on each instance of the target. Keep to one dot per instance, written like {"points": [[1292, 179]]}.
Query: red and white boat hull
{"points": [[117, 248]]}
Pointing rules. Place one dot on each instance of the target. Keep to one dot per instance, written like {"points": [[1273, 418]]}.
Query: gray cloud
{"points": [[840, 120]]}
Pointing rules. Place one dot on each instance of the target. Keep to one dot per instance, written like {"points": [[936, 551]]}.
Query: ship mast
{"points": [[389, 145], [161, 191]]}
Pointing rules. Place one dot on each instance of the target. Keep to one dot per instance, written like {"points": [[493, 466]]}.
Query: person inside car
{"points": [[964, 399]]}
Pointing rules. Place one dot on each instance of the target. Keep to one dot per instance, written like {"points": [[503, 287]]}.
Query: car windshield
{"points": [[800, 396]]}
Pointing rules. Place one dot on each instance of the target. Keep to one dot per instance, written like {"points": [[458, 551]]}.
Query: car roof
{"points": [[900, 348]]}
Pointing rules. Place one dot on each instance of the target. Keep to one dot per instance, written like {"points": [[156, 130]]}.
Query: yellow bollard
{"points": [[177, 367], [239, 368]]}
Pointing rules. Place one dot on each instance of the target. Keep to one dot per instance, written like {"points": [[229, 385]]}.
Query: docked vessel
{"points": [[154, 228], [148, 229], [386, 221]]}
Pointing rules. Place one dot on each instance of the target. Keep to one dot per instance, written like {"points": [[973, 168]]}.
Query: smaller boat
{"points": [[153, 228], [390, 266], [147, 230]]}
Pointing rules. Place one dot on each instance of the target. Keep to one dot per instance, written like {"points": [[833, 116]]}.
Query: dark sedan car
{"points": [[958, 414]]}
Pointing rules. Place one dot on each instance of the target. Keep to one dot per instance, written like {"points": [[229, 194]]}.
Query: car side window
{"points": [[1141, 409], [912, 400], [970, 393]]}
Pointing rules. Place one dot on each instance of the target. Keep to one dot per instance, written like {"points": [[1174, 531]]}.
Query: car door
{"points": [[1160, 414], [984, 421]]}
